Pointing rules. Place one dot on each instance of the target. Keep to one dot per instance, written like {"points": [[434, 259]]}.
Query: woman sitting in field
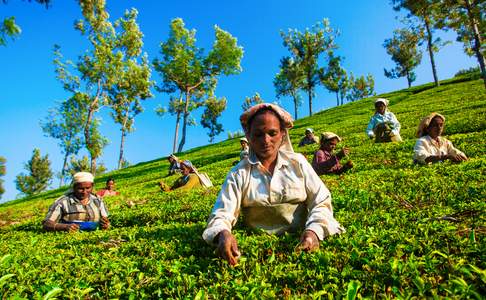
{"points": [[325, 162], [309, 138], [109, 189], [187, 181], [77, 208], [276, 189], [174, 166], [431, 147], [383, 125]]}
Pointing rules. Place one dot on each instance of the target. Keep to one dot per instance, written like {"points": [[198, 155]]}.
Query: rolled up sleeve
{"points": [[226, 209], [395, 124], [420, 152], [369, 128], [320, 218]]}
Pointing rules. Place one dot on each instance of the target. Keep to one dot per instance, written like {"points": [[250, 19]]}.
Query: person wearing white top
{"points": [[275, 189], [383, 125], [431, 147]]}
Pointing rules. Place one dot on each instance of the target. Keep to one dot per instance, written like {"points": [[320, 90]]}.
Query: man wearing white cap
{"points": [[325, 161], [78, 209], [383, 126], [309, 138]]}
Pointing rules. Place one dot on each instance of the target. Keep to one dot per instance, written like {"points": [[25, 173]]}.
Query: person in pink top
{"points": [[325, 161], [109, 190]]}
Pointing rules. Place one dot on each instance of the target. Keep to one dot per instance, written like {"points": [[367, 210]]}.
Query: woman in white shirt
{"points": [[431, 147], [383, 125], [275, 189]]}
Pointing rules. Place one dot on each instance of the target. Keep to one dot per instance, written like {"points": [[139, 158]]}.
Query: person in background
{"points": [[174, 166], [77, 205], [309, 138], [275, 189], [383, 126], [189, 179], [245, 148], [325, 162], [431, 147], [109, 189]]}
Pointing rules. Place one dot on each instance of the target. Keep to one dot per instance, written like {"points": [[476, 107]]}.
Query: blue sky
{"points": [[29, 87]]}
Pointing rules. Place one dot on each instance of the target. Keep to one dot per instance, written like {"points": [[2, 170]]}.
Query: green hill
{"points": [[412, 231]]}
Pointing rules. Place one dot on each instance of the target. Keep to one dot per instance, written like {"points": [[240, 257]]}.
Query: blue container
{"points": [[86, 225]]}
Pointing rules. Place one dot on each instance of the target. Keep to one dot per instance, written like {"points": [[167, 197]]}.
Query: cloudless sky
{"points": [[28, 87]]}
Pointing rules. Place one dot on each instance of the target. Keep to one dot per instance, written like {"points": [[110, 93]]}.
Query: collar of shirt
{"points": [[282, 160], [73, 200]]}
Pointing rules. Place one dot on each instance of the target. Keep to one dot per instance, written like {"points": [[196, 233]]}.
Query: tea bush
{"points": [[412, 231]]}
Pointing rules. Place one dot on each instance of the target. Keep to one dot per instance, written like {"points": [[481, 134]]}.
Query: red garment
{"points": [[105, 192], [325, 162]]}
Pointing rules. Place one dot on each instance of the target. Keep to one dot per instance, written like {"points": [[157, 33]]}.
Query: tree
{"points": [[185, 69], [251, 101], [8, 27], [306, 48], [209, 119], [467, 18], [427, 12], [3, 171], [334, 77], [83, 165], [134, 82], [361, 87], [65, 123], [39, 176], [288, 81], [403, 49]]}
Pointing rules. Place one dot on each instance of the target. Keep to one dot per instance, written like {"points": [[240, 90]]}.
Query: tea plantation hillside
{"points": [[412, 231]]}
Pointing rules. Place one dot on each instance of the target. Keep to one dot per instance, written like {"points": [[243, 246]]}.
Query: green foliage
{"points": [[361, 87], [306, 48], [8, 29], [39, 176], [471, 70], [403, 49], [335, 77], [83, 165], [186, 70], [251, 101], [412, 231], [288, 81], [209, 119], [3, 171]]}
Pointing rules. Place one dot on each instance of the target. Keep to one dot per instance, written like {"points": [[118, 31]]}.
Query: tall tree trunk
{"points": [[477, 40], [184, 124], [309, 93], [431, 51], [120, 158], [122, 140], [409, 80], [63, 171], [337, 98], [176, 133], [88, 142], [296, 105]]}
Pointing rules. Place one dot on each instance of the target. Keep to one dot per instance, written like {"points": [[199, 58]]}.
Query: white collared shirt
{"points": [[293, 198], [427, 146]]}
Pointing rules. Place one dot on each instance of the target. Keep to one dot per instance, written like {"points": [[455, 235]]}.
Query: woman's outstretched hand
{"points": [[227, 247], [308, 241]]}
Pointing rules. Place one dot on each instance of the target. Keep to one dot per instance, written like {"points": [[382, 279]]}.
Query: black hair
{"points": [[262, 111], [110, 179]]}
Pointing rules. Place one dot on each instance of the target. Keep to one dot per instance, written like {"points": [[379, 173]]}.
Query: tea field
{"points": [[412, 231]]}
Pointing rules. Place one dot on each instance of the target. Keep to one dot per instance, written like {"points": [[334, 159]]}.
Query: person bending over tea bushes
{"points": [[187, 181], [383, 126], [431, 147], [78, 209], [309, 138], [109, 189], [325, 161], [275, 189]]}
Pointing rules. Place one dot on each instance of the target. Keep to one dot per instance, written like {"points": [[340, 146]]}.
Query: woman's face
{"points": [[436, 127], [185, 170], [265, 135], [330, 145], [82, 190], [110, 185], [380, 107]]}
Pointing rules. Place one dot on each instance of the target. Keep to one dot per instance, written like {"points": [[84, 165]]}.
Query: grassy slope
{"points": [[393, 245]]}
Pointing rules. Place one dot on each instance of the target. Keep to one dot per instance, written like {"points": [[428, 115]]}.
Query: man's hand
{"points": [[71, 228], [309, 241], [344, 152], [105, 223], [227, 247]]}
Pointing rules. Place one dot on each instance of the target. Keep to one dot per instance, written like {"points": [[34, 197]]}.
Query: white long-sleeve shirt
{"points": [[427, 146], [387, 117], [294, 198]]}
